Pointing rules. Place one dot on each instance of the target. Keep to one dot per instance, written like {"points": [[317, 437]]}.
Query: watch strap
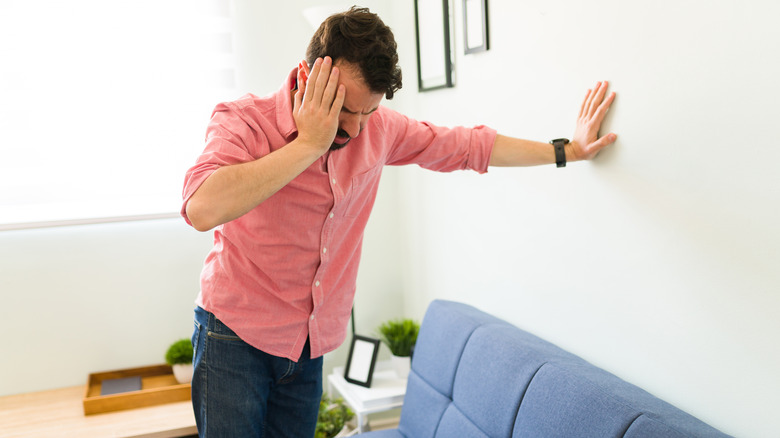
{"points": [[560, 151]]}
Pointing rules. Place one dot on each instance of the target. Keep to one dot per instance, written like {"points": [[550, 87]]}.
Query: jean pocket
{"points": [[196, 336], [218, 330]]}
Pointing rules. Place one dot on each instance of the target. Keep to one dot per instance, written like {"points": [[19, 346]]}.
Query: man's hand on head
{"points": [[318, 103]]}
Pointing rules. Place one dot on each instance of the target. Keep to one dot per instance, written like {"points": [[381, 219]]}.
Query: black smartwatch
{"points": [[560, 151]]}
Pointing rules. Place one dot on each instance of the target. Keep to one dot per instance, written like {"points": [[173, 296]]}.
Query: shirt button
{"points": [[324, 250], [334, 180], [317, 283], [330, 215], [311, 318]]}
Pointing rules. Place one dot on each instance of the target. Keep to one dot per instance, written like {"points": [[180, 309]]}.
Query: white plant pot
{"points": [[183, 372], [402, 365]]}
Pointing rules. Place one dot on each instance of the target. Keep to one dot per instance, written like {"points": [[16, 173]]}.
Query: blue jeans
{"points": [[240, 391]]}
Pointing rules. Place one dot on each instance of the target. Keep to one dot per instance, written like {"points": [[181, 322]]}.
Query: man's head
{"points": [[360, 103], [360, 38]]}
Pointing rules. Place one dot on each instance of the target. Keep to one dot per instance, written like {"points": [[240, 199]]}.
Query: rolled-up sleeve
{"points": [[231, 138], [438, 148]]}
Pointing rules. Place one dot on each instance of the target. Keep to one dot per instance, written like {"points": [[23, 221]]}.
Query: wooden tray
{"points": [[158, 386]]}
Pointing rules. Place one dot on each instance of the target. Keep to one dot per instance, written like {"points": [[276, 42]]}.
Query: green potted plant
{"points": [[334, 419], [400, 336], [179, 357]]}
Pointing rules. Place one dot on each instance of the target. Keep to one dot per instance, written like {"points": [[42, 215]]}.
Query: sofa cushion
{"points": [[455, 423], [646, 427], [423, 408], [446, 328], [560, 404], [492, 377]]}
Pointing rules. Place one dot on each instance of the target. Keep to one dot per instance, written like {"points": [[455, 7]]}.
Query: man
{"points": [[289, 181]]}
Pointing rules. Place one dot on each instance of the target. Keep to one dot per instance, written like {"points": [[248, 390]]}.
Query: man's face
{"points": [[359, 103]]}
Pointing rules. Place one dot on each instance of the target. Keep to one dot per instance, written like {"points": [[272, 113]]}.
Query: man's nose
{"points": [[352, 124]]}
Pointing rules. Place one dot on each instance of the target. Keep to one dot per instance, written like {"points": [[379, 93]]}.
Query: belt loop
{"points": [[212, 326]]}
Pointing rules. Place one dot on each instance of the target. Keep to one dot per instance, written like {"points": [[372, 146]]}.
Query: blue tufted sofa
{"points": [[474, 375]]}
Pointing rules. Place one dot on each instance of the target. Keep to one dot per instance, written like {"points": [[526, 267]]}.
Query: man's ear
{"points": [[306, 68], [303, 75]]}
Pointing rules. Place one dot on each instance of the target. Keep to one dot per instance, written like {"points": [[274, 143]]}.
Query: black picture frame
{"points": [[434, 50], [361, 360], [476, 37]]}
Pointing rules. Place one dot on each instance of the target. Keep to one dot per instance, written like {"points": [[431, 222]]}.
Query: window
{"points": [[104, 104]]}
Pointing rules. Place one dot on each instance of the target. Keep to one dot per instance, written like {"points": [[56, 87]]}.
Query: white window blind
{"points": [[104, 104]]}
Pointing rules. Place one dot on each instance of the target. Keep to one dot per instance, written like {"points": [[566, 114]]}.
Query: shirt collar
{"points": [[284, 117]]}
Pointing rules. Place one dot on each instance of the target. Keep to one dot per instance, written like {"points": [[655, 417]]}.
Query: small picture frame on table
{"points": [[361, 360]]}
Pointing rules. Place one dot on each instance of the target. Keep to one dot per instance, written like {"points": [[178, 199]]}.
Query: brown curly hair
{"points": [[361, 38]]}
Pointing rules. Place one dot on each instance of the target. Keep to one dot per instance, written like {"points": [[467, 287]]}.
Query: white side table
{"points": [[386, 392]]}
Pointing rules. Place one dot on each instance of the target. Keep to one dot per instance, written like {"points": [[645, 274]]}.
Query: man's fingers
{"points": [[330, 89], [338, 101], [596, 146], [598, 98], [592, 94], [594, 101], [321, 81], [585, 103], [601, 111], [311, 81], [319, 90]]}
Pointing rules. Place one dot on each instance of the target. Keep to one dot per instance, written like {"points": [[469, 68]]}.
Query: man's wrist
{"points": [[313, 148], [570, 156], [559, 147]]}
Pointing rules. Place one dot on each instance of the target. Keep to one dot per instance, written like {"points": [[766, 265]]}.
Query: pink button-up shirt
{"points": [[287, 269]]}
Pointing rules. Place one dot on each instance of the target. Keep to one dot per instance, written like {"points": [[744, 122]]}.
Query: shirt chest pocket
{"points": [[362, 192]]}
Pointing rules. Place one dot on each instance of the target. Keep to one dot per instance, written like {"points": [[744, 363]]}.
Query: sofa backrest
{"points": [[474, 375]]}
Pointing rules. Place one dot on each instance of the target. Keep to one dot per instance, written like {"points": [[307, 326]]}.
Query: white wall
{"points": [[657, 261], [82, 299]]}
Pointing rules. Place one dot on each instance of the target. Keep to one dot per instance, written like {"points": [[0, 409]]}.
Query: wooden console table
{"points": [[60, 413]]}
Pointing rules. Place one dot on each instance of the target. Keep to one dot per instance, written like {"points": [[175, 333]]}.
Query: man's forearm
{"points": [[508, 151], [232, 191]]}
